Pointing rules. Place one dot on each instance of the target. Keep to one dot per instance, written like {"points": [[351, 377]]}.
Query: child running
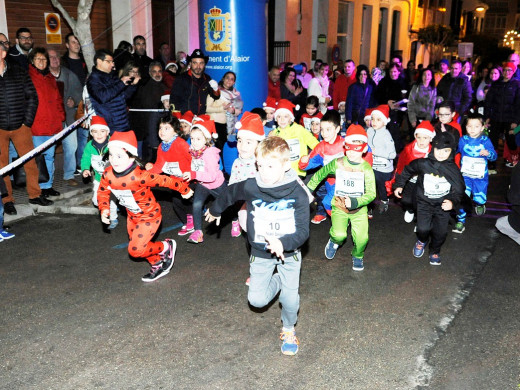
{"points": [[94, 157], [355, 188], [131, 186], [440, 187], [476, 149], [277, 227]]}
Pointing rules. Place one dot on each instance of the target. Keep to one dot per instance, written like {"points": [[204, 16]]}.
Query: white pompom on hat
{"points": [[125, 140], [250, 126], [285, 107], [207, 126], [270, 103]]}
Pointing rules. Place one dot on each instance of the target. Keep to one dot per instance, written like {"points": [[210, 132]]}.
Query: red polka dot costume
{"points": [[132, 188]]}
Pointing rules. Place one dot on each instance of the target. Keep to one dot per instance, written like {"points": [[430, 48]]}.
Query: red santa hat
{"points": [[285, 107], [270, 103], [171, 64], [165, 96], [316, 119], [426, 128], [510, 65], [176, 114], [203, 117], [187, 117], [250, 126], [383, 112], [125, 140], [98, 123], [207, 126], [368, 114], [356, 133]]}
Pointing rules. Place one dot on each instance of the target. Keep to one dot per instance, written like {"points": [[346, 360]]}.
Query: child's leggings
{"points": [[140, 232], [358, 228], [199, 199], [477, 188], [432, 221]]}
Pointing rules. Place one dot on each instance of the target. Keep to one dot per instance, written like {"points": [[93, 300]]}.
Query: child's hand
{"points": [[211, 218], [105, 217], [148, 166], [484, 152], [398, 192], [447, 205], [304, 159], [188, 195], [86, 173], [275, 246], [186, 176], [348, 202]]}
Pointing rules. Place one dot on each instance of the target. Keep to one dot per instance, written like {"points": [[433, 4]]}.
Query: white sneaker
{"points": [[408, 216]]}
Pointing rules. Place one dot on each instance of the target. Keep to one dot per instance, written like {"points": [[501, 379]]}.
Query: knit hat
{"points": [[382, 111], [425, 128], [444, 140], [271, 103], [250, 126], [125, 140], [510, 65], [207, 126], [165, 96], [187, 117], [444, 61], [285, 107], [356, 133], [98, 123], [368, 114]]}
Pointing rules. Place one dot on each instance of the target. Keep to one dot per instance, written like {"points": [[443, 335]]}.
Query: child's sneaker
{"points": [[383, 207], [196, 237], [155, 273], [248, 280], [459, 228], [289, 342], [330, 250], [357, 264], [435, 259], [418, 249], [5, 235], [188, 228], [235, 229], [408, 216], [370, 213], [480, 209], [168, 257], [318, 219], [113, 224], [492, 171]]}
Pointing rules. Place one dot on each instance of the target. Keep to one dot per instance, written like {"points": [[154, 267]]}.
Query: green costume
{"points": [[357, 213], [87, 162]]}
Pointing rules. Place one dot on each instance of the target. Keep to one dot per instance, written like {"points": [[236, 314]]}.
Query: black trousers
{"points": [[432, 225]]}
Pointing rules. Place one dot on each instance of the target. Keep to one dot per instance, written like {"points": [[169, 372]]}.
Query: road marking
{"points": [[165, 230]]}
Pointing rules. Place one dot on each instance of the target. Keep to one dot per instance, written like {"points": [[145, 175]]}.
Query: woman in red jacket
{"points": [[50, 114]]}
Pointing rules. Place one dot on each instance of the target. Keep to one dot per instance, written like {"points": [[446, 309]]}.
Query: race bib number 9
{"points": [[98, 164], [294, 146], [126, 199], [435, 187], [273, 219], [351, 184], [172, 168], [473, 167]]}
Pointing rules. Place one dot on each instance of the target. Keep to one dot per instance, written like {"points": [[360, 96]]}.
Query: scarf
{"points": [[198, 153], [165, 146]]}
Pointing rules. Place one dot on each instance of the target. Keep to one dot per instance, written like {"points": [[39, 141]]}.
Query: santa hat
{"points": [[98, 123], [207, 126], [368, 114], [187, 117], [165, 96], [176, 114], [203, 117], [286, 107], [250, 126], [510, 65], [270, 103], [125, 140], [171, 64], [382, 111], [425, 128], [315, 119], [356, 133]]}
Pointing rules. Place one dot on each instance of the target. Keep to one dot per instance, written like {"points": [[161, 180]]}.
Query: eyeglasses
{"points": [[25, 38], [508, 70], [4, 43], [40, 59]]}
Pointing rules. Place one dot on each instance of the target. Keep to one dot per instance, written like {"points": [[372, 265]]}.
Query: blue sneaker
{"points": [[435, 259], [289, 342], [418, 249], [330, 250], [113, 224], [357, 264], [5, 235]]}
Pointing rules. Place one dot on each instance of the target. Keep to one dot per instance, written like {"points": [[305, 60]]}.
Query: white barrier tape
{"points": [[29, 155], [148, 110]]}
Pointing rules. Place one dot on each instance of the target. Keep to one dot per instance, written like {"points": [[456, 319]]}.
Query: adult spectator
{"points": [[73, 59], [410, 74], [483, 83], [164, 56], [290, 88], [140, 57], [304, 76], [182, 60], [444, 69], [71, 90], [24, 44], [18, 105], [398, 60], [50, 114], [343, 83], [502, 111], [319, 86], [190, 89], [456, 87], [467, 70], [4, 42], [360, 97], [108, 93], [422, 99], [122, 54], [273, 83], [515, 59], [314, 71]]}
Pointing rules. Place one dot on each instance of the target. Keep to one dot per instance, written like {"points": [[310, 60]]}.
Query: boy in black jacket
{"points": [[440, 187], [277, 226]]}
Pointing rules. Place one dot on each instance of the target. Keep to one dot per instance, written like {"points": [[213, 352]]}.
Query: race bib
{"points": [[273, 219], [435, 187], [98, 164], [307, 123], [351, 184], [172, 168], [294, 146], [379, 162], [126, 199], [473, 167], [197, 165], [327, 159]]}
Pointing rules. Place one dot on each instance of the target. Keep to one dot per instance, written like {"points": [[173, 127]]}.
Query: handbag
{"points": [[19, 173]]}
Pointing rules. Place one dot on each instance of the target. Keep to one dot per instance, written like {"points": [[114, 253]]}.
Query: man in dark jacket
{"points": [[73, 59], [140, 57], [191, 89], [108, 94], [456, 87], [24, 44], [18, 105]]}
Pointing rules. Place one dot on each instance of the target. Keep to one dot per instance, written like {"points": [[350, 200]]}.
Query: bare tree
{"points": [[81, 28]]}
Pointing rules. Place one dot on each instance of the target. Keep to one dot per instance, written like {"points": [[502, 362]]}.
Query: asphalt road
{"points": [[75, 314]]}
